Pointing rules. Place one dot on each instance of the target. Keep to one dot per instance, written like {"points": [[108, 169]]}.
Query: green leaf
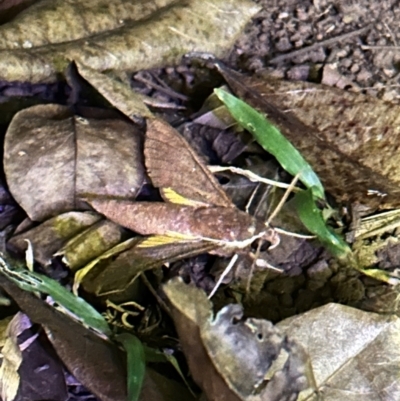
{"points": [[35, 282], [136, 365], [270, 138], [312, 218]]}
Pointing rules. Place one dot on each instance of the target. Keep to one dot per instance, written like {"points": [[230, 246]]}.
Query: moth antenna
{"points": [[284, 198], [223, 275], [291, 234]]}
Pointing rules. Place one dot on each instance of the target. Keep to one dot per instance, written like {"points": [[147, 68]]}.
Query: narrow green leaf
{"points": [[270, 138], [35, 282], [136, 365], [312, 218]]}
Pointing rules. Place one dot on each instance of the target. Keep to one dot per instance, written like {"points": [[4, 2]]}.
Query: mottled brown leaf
{"points": [[120, 95], [232, 358], [121, 35], [350, 139], [51, 157], [354, 354]]}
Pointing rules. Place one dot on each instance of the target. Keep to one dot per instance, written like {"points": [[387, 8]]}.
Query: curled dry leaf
{"points": [[232, 358], [121, 35], [354, 354], [51, 157]]}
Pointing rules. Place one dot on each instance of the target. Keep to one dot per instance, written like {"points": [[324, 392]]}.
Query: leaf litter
{"points": [[225, 377]]}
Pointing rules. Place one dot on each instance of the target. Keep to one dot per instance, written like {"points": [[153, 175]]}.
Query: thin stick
{"points": [[284, 198], [223, 275]]}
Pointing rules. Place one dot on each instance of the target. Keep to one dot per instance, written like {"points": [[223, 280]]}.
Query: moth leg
{"points": [[223, 275]]}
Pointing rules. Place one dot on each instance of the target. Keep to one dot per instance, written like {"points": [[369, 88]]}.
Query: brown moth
{"points": [[196, 207]]}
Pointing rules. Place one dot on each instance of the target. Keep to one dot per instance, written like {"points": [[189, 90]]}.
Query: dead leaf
{"points": [[232, 358], [120, 35], [98, 364], [354, 354], [30, 369], [120, 95], [48, 237], [89, 244], [51, 157], [350, 141]]}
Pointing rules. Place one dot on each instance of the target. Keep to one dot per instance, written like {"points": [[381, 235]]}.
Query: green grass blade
{"points": [[270, 138], [136, 365], [35, 282], [312, 218]]}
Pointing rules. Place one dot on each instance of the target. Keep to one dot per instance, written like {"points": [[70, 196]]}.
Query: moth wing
{"points": [[158, 240], [177, 170]]}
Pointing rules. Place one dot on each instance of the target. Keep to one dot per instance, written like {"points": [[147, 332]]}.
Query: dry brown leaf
{"points": [[120, 35], [232, 358], [120, 95], [52, 157], [350, 140], [50, 236], [354, 354]]}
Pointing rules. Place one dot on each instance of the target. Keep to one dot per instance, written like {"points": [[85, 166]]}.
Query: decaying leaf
{"points": [[232, 358], [98, 364], [50, 236], [354, 354], [30, 369], [120, 95], [350, 142], [121, 35], [52, 157]]}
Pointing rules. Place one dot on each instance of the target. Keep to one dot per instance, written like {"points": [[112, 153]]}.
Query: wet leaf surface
{"points": [[120, 35]]}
